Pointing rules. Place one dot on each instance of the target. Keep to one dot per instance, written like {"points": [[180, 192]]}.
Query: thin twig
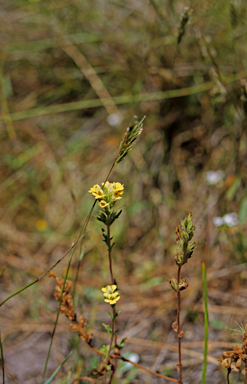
{"points": [[147, 370]]}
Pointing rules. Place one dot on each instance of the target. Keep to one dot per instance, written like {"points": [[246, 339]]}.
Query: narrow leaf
{"points": [[56, 371], [233, 188], [243, 211]]}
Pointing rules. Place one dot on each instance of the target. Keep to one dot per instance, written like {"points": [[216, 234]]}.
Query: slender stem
{"points": [[115, 340], [245, 380], [228, 376], [109, 252], [114, 311], [112, 336], [178, 328], [84, 227], [147, 370], [44, 274]]}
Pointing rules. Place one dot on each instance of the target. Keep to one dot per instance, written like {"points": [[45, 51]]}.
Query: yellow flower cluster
{"points": [[111, 294], [108, 194]]}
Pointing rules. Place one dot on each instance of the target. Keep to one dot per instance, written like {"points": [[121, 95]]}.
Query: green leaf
{"points": [[233, 188], [56, 371], [109, 314], [104, 236], [116, 315], [105, 349], [243, 211], [107, 328], [102, 217], [114, 216], [122, 343]]}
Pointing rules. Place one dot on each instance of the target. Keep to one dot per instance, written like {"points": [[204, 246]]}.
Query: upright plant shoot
{"points": [[107, 195], [185, 233]]}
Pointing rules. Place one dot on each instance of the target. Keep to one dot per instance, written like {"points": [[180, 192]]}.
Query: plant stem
{"points": [[112, 336], [109, 252], [228, 376], [178, 328], [245, 380], [114, 324]]}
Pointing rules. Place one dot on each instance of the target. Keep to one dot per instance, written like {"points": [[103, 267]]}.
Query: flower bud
{"points": [[173, 283], [184, 283]]}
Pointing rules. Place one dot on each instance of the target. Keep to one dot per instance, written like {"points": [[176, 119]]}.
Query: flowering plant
{"points": [[111, 294], [108, 194]]}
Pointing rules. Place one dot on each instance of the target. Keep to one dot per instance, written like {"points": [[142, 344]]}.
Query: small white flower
{"points": [[213, 177], [132, 357], [114, 119], [230, 219], [218, 221]]}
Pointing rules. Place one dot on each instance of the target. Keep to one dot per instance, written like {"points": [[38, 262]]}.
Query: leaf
{"points": [[113, 216], [102, 217], [104, 236], [243, 211], [122, 343], [107, 328], [105, 349], [233, 188], [116, 315], [109, 314], [56, 371]]}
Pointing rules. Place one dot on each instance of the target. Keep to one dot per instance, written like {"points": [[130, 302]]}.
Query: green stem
{"points": [[114, 324], [84, 227], [112, 336], [109, 252]]}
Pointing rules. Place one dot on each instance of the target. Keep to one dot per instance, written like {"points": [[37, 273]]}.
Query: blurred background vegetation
{"points": [[72, 76]]}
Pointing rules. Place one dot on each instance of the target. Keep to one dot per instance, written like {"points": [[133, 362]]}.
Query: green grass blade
{"points": [[205, 352], [45, 273], [2, 359], [55, 372], [19, 290], [123, 99]]}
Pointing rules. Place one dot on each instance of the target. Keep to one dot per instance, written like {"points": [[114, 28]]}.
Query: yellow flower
{"points": [[103, 204], [41, 225], [96, 192], [111, 294], [117, 195], [118, 186], [108, 194]]}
